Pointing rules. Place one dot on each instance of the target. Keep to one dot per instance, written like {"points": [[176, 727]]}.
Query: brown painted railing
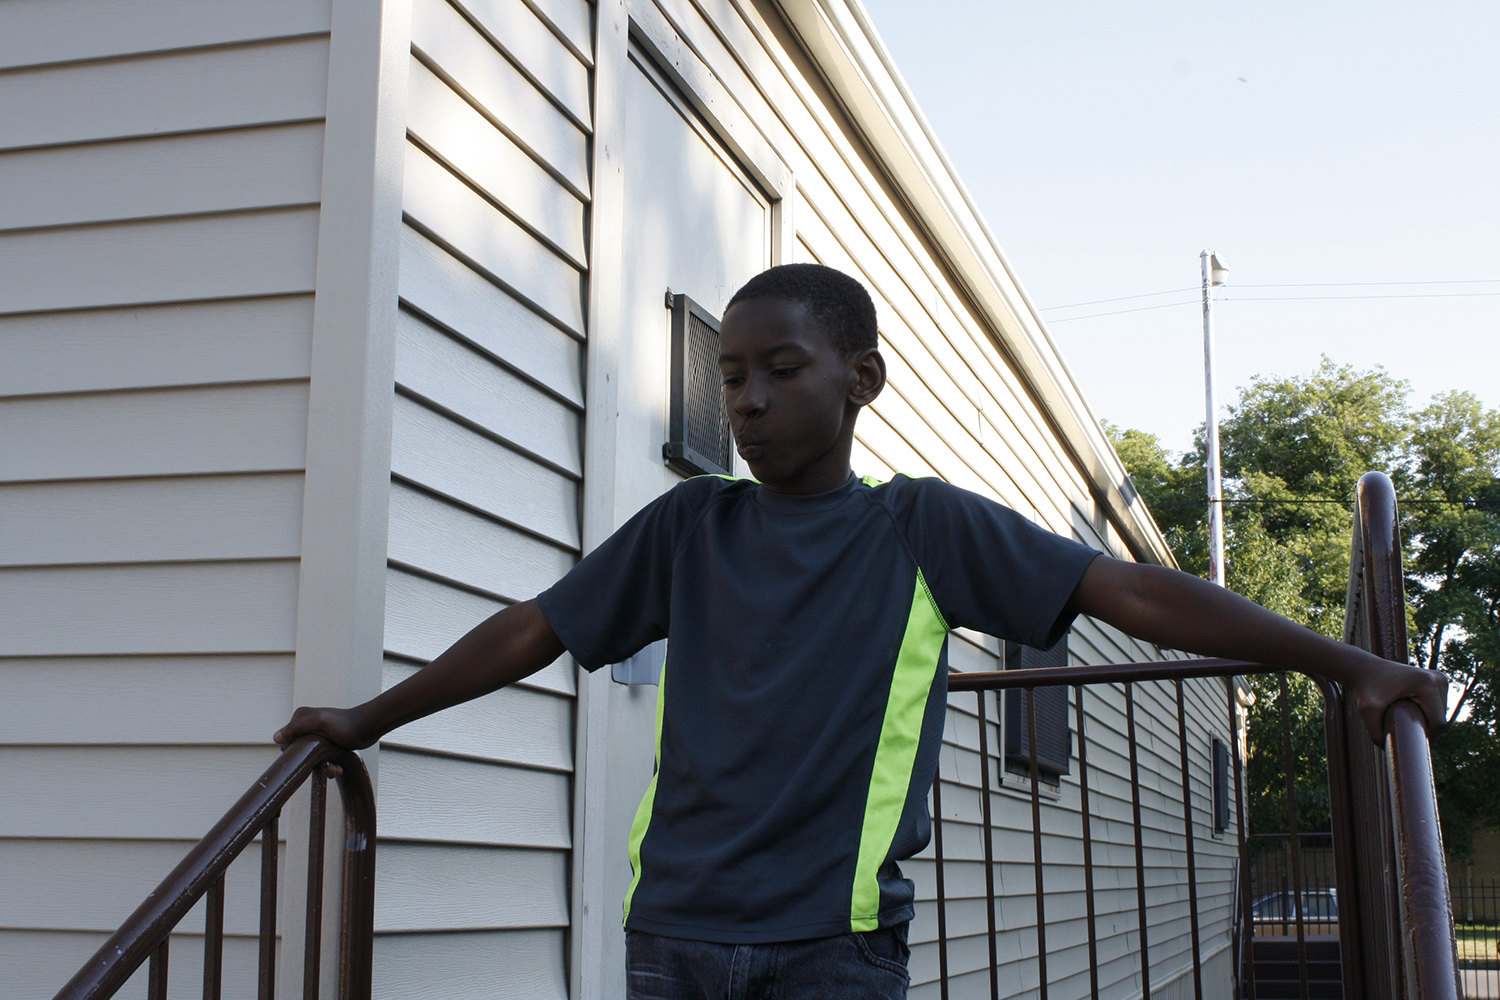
{"points": [[1395, 930], [146, 933]]}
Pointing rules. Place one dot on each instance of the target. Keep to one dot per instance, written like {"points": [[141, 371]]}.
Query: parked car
{"points": [[1276, 913]]}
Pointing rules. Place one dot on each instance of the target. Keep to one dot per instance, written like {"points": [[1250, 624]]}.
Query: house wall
{"points": [[161, 163], [486, 472]]}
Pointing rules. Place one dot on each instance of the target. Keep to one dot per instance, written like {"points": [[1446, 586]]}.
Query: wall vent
{"points": [[698, 440], [1054, 738]]}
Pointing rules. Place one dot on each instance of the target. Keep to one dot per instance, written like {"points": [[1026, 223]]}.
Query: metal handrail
{"points": [[1427, 943], [144, 934], [1407, 859]]}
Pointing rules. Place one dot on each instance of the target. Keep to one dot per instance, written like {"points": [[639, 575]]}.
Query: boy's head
{"points": [[835, 302], [798, 357]]}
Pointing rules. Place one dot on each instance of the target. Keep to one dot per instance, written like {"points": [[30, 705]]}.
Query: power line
{"points": [[1353, 284], [1314, 298], [1119, 312], [1276, 298], [1122, 298], [1305, 284]]}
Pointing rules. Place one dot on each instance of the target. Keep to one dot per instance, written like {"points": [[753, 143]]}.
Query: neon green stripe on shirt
{"points": [[896, 753], [643, 811]]}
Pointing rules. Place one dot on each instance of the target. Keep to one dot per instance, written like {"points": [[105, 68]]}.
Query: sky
{"points": [[1341, 149]]}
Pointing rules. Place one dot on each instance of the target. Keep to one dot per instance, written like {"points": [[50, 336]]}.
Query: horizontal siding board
{"points": [[446, 206], [35, 32], [151, 520], [247, 340], [173, 175], [515, 725], [142, 793], [252, 428], [428, 798], [248, 607], [37, 963], [172, 92], [464, 382], [144, 699], [463, 301], [93, 885], [449, 43], [459, 887], [572, 21], [169, 260], [433, 451], [478, 965], [516, 30], [438, 537], [424, 617], [449, 126]]}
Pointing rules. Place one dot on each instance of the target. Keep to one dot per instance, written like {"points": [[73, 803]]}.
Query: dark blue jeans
{"points": [[867, 966]]}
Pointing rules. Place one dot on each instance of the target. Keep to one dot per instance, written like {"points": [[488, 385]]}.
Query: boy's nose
{"points": [[751, 399]]}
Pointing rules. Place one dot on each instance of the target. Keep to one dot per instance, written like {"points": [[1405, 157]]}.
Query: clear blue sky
{"points": [[1107, 144]]}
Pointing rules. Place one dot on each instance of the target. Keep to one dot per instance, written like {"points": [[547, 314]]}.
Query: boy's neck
{"points": [[822, 481]]}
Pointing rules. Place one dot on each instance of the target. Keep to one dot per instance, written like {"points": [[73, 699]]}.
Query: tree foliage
{"points": [[1293, 450]]}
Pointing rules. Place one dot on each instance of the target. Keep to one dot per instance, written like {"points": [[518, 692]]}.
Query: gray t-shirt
{"points": [[803, 697]]}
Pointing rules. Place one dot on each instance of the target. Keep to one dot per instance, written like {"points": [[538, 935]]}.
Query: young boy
{"points": [[803, 698]]}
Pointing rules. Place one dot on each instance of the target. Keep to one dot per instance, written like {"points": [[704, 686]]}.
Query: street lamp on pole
{"points": [[1215, 272]]}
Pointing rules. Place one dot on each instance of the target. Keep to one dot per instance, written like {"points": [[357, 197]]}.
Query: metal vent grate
{"points": [[1054, 738], [698, 439]]}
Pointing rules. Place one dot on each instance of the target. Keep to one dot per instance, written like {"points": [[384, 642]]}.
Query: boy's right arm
{"points": [[509, 645]]}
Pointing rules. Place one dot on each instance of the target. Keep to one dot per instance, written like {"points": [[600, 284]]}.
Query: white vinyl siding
{"points": [[162, 162], [486, 472]]}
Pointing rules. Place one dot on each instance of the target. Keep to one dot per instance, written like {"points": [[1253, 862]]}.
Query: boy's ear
{"points": [[868, 376]]}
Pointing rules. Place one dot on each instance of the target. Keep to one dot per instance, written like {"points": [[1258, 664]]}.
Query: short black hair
{"points": [[836, 302]]}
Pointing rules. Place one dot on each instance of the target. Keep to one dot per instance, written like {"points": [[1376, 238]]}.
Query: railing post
{"points": [[1431, 957]]}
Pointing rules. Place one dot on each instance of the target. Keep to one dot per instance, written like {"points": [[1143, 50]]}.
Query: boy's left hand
{"points": [[1385, 682]]}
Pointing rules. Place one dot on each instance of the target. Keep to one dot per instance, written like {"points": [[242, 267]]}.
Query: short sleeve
{"points": [[617, 599], [991, 569]]}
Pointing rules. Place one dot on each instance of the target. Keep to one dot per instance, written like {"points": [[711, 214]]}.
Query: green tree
{"points": [[1293, 450], [1453, 582]]}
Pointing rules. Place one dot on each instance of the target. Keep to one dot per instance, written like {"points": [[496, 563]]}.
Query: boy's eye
{"points": [[785, 371], [733, 379]]}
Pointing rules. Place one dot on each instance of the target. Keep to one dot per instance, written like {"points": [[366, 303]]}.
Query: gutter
{"points": [[837, 34]]}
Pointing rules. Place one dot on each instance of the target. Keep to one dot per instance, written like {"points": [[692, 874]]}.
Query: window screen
{"points": [[1221, 786], [1054, 739], [698, 426]]}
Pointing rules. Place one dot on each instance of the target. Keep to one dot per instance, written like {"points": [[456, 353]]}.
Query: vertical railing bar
{"points": [[942, 891], [313, 931], [357, 920], [156, 974], [1088, 847], [1247, 947], [213, 941], [1140, 851], [270, 845], [989, 847], [1036, 844], [1187, 832], [1295, 854]]}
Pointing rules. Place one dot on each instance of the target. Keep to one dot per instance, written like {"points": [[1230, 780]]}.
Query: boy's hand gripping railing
{"points": [[145, 933]]}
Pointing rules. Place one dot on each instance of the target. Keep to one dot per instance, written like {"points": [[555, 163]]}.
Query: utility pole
{"points": [[1214, 273]]}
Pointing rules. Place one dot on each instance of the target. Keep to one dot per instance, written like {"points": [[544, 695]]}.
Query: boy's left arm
{"points": [[1179, 611]]}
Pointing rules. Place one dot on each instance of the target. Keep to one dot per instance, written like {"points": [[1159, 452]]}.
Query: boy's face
{"points": [[792, 396]]}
